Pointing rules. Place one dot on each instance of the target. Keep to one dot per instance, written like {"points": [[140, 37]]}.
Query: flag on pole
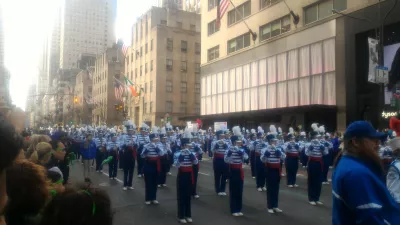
{"points": [[118, 89], [222, 7], [130, 85]]}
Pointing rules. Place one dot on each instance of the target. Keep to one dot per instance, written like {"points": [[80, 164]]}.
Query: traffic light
{"points": [[75, 99]]}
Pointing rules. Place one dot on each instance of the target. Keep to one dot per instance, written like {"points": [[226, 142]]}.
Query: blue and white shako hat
{"points": [[237, 135], [168, 127], [163, 133], [195, 132], [219, 132], [154, 135], [315, 130], [144, 127], [187, 135], [272, 133], [260, 132], [129, 125], [321, 130], [280, 133], [291, 133], [112, 132]]}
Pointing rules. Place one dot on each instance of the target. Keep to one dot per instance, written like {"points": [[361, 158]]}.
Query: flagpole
{"points": [[253, 34]]}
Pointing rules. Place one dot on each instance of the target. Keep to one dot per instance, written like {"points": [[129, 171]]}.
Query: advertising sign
{"points": [[220, 126]]}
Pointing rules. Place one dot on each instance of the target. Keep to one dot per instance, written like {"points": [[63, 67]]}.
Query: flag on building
{"points": [[118, 89], [131, 87], [222, 7]]}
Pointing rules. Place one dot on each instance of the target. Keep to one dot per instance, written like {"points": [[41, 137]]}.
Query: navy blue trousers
{"points": [[150, 180], [314, 182], [140, 165], [184, 194], [253, 163], [196, 175], [113, 167], [220, 174], [327, 162], [273, 181], [292, 166], [303, 158], [162, 177], [235, 190], [260, 173], [99, 160], [129, 168]]}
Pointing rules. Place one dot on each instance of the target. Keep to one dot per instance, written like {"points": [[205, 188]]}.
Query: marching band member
{"points": [[315, 166], [129, 154], [142, 140], [151, 168], [101, 142], [303, 145], [171, 140], [234, 157], [386, 153], [198, 152], [218, 148], [272, 157], [393, 176], [184, 161], [325, 140], [258, 145], [292, 159], [251, 145], [165, 159], [112, 149]]}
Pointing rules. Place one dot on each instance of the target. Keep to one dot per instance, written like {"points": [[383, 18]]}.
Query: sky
{"points": [[26, 24]]}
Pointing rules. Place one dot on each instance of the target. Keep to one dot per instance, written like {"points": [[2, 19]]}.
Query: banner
{"points": [[220, 126], [373, 59]]}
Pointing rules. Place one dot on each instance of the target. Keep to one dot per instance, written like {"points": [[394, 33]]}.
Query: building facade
{"points": [[83, 98], [108, 68], [285, 74], [87, 26], [163, 62]]}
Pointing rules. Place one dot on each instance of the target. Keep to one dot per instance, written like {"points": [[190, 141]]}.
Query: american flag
{"points": [[119, 90], [221, 10]]}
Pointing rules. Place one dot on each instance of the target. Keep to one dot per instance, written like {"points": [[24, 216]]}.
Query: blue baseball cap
{"points": [[362, 129]]}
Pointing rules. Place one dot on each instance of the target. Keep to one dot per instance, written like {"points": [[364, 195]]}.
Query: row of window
{"points": [[168, 87], [168, 107], [184, 46], [169, 66]]}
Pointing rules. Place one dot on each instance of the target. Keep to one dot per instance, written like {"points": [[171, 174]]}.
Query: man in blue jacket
{"points": [[359, 192]]}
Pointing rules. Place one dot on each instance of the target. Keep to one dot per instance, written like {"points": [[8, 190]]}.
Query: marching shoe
{"points": [[159, 186], [254, 177], [124, 188], [270, 211], [164, 185], [220, 193], [319, 203], [264, 188], [223, 193], [182, 221], [313, 203], [296, 185], [235, 214], [240, 213], [155, 202], [196, 196], [140, 175], [259, 189], [189, 220], [131, 188], [290, 186], [147, 203], [169, 173], [278, 210]]}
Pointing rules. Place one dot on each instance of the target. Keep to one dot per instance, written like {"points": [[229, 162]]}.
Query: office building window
{"points": [[183, 87], [151, 107], [275, 28], [151, 45], [192, 27], [144, 107], [266, 3], [141, 51], [197, 108], [184, 66], [238, 43], [145, 68], [212, 27], [163, 22], [135, 72], [132, 57], [146, 48], [151, 65], [197, 68], [141, 70], [168, 106], [212, 4], [242, 11], [322, 10], [197, 48], [197, 88], [151, 86], [145, 88], [213, 53], [183, 107], [168, 85], [169, 64], [170, 44], [183, 46]]}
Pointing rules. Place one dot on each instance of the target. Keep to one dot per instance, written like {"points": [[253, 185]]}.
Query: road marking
{"points": [[118, 180], [204, 174]]}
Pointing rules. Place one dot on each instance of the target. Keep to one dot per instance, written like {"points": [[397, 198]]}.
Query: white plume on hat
{"points": [[155, 129], [260, 130], [314, 126], [163, 130], [187, 133], [291, 130], [168, 125], [395, 143], [236, 131], [113, 131], [130, 123], [144, 125], [303, 133], [321, 129], [195, 129], [253, 131], [279, 130], [272, 129]]}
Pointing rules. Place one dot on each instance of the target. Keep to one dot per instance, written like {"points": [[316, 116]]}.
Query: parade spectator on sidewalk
{"points": [[88, 151], [359, 192], [393, 176]]}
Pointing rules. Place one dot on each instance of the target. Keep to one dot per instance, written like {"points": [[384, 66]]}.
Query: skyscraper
{"points": [[87, 26]]}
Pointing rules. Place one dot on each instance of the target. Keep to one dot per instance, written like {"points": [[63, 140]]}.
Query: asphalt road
{"points": [[130, 208]]}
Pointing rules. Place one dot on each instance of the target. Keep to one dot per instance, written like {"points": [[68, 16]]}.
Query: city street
{"points": [[130, 208]]}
